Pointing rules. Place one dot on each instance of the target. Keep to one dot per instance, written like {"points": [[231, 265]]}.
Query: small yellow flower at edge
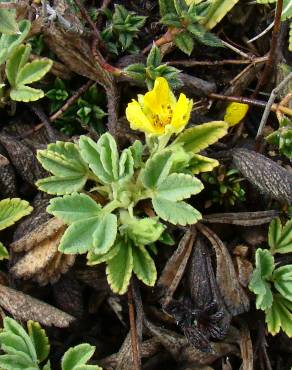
{"points": [[158, 112]]}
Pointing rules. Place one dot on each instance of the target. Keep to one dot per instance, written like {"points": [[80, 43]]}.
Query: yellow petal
{"points": [[137, 119], [158, 97], [235, 113], [181, 113]]}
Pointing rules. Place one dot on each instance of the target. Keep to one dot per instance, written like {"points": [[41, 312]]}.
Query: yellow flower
{"points": [[158, 112]]}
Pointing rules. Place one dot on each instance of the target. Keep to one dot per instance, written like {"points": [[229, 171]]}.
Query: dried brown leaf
{"points": [[270, 178], [234, 296], [175, 266], [242, 218], [246, 348], [24, 307], [40, 234]]}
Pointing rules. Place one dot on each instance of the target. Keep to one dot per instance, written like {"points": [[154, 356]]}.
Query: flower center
{"points": [[164, 117]]}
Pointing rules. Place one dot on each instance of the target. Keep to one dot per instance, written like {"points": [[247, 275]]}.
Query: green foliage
{"points": [[30, 349], [118, 232], [8, 23], [12, 210], [76, 358], [20, 72], [154, 69], [193, 22], [121, 30], [272, 285], [84, 112], [3, 252], [282, 138], [280, 238], [225, 186]]}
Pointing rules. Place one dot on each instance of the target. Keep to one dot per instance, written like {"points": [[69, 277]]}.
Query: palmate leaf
{"points": [[178, 213], [73, 208], [77, 357], [144, 266], [166, 7], [154, 58], [259, 281], [3, 252], [14, 340], [64, 161], [39, 339], [109, 156], [89, 151], [178, 187], [282, 277], [141, 231], [12, 210], [280, 238], [119, 269], [200, 137], [279, 316], [157, 169]]}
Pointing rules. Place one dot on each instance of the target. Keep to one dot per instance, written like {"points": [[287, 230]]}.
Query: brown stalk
{"points": [[134, 335]]}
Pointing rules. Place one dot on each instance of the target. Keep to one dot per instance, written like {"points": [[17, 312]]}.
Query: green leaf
{"points": [[34, 71], [78, 238], [144, 266], [62, 159], [282, 278], [204, 37], [105, 234], [216, 11], [95, 259], [279, 316], [157, 169], [126, 165], [141, 231], [26, 94], [200, 137], [3, 252], [119, 269], [12, 210], [39, 339], [89, 151], [178, 213], [109, 155], [61, 185], [13, 344], [17, 59], [9, 42], [184, 42], [8, 23], [275, 231], [12, 326], [74, 207], [284, 244], [136, 71], [263, 272], [181, 6], [76, 356], [15, 362], [154, 57], [137, 152], [166, 6], [200, 163], [178, 187]]}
